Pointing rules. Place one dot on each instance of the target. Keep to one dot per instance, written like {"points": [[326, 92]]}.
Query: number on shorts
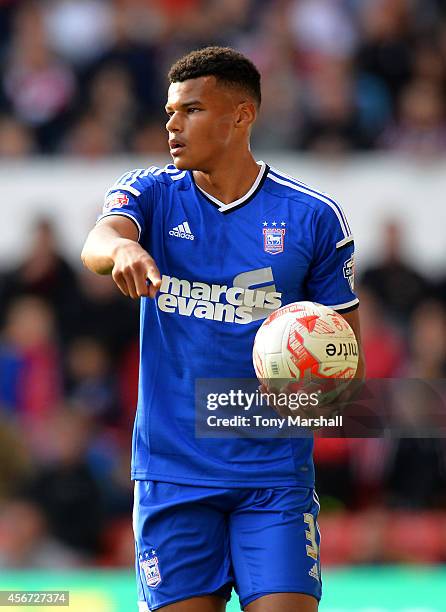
{"points": [[310, 534]]}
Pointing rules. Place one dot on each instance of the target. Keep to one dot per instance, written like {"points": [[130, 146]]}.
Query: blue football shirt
{"points": [[224, 268]]}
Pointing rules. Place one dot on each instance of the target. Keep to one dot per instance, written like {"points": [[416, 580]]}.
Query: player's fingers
{"points": [[263, 389], [133, 293], [120, 282], [154, 278], [153, 290], [142, 289]]}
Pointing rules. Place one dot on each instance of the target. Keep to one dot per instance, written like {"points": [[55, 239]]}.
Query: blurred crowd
{"points": [[87, 77], [68, 380]]}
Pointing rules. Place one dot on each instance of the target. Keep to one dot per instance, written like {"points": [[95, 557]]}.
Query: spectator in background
{"points": [[332, 122], [150, 137], [419, 411], [128, 382], [30, 372], [117, 111], [25, 542], [38, 86], [396, 284], [421, 126], [79, 31], [384, 351], [6, 11], [384, 359], [90, 139], [105, 315], [333, 473], [440, 290], [415, 460], [385, 47], [90, 384], [271, 45], [45, 273], [65, 488], [16, 141], [137, 29], [429, 63], [109, 116], [15, 461], [428, 342], [321, 28]]}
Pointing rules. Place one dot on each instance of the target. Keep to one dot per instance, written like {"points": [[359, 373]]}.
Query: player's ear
{"points": [[246, 114]]}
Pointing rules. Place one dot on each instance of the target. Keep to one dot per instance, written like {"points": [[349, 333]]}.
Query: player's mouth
{"points": [[176, 147]]}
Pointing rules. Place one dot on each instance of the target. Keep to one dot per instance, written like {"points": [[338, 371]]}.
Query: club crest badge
{"points": [[150, 568], [274, 238]]}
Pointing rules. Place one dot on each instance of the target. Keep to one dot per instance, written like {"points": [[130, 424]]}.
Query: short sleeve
{"points": [[130, 196], [331, 278]]}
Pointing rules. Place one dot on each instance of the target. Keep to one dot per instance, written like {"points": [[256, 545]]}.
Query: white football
{"points": [[304, 341]]}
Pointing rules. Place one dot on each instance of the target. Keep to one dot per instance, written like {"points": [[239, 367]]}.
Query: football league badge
{"points": [[150, 566], [349, 271], [116, 200], [273, 237]]}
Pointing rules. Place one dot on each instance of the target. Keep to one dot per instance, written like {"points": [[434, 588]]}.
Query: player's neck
{"points": [[230, 181]]}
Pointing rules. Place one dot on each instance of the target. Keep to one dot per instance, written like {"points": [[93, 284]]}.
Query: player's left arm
{"points": [[331, 279], [331, 276]]}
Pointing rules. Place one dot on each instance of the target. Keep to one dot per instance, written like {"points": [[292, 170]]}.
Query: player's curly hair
{"points": [[225, 64]]}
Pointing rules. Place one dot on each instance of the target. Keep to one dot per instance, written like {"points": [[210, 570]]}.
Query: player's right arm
{"points": [[112, 248]]}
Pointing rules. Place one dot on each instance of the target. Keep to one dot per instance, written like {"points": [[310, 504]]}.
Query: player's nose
{"points": [[173, 124]]}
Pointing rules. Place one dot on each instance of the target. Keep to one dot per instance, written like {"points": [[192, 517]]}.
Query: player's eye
{"points": [[192, 109], [169, 113]]}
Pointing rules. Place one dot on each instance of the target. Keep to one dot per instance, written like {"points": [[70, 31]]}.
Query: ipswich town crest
{"points": [[273, 237], [150, 567]]}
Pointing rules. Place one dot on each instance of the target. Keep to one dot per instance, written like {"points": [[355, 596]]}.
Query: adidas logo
{"points": [[314, 572], [182, 231]]}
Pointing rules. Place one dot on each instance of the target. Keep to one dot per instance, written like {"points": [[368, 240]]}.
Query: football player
{"points": [[212, 244]]}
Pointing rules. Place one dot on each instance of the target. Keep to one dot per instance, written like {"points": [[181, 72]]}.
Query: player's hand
{"points": [[309, 411], [135, 271]]}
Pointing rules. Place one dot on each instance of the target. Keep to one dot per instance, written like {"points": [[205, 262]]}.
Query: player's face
{"points": [[202, 116]]}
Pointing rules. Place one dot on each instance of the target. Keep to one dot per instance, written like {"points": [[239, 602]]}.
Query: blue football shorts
{"points": [[193, 540]]}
